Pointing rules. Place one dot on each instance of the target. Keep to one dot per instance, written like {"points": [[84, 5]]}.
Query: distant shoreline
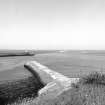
{"points": [[9, 53]]}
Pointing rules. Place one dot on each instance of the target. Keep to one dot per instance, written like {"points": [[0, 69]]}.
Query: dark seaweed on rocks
{"points": [[12, 91]]}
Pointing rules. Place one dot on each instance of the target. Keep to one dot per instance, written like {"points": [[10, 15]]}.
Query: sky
{"points": [[52, 24]]}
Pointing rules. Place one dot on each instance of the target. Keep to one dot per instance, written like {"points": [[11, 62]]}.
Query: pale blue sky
{"points": [[52, 24]]}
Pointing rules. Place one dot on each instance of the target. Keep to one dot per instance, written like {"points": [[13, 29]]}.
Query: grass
{"points": [[90, 90]]}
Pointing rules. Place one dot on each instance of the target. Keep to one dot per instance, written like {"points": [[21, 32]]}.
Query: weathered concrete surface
{"points": [[56, 82]]}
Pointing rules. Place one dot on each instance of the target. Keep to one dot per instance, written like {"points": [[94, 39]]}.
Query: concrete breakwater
{"points": [[55, 82]]}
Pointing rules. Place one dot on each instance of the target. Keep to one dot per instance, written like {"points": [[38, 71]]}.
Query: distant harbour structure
{"points": [[29, 52], [84, 52], [61, 51]]}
